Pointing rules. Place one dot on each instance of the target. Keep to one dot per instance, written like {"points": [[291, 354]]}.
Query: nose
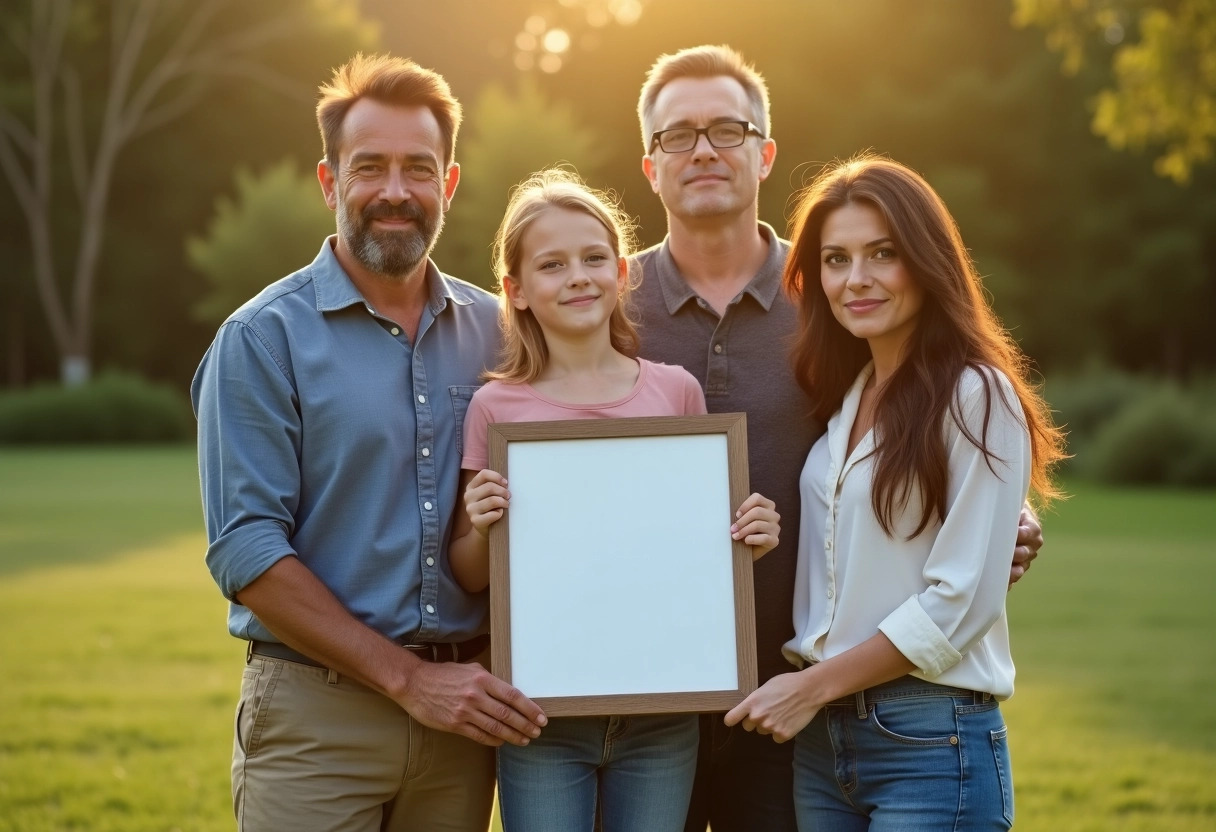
{"points": [[859, 275], [578, 275], [703, 149], [395, 190]]}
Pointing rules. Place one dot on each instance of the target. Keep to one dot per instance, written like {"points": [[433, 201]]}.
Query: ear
{"points": [[622, 274], [514, 293], [449, 184], [652, 173], [329, 184], [768, 153]]}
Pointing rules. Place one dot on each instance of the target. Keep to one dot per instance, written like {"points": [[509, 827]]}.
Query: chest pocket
{"points": [[461, 395]]}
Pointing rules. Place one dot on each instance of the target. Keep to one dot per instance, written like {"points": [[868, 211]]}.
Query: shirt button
{"points": [[827, 544], [395, 331], [718, 349], [426, 451], [831, 592], [427, 505], [422, 399], [430, 608], [370, 311], [430, 561]]}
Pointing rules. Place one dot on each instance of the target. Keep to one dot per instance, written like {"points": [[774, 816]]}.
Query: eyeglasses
{"points": [[721, 135]]}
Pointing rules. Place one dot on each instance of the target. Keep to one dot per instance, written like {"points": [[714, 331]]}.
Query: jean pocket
{"points": [[920, 720], [461, 395], [1000, 754]]}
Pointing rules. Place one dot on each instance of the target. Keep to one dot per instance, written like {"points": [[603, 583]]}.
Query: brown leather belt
{"points": [[440, 651]]}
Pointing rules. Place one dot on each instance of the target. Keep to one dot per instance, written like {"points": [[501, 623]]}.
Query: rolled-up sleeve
{"points": [[967, 571], [249, 455]]}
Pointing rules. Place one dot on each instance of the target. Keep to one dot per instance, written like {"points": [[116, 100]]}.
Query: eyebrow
{"points": [[684, 122], [870, 244], [369, 156], [554, 252]]}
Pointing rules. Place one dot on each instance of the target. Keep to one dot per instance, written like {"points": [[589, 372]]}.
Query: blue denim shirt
{"points": [[325, 434]]}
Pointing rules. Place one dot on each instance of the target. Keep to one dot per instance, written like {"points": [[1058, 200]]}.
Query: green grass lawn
{"points": [[118, 680]]}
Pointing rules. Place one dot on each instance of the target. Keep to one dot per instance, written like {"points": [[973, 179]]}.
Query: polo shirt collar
{"points": [[763, 287], [335, 290]]}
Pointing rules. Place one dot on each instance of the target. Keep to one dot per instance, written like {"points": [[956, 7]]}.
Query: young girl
{"points": [[570, 353], [910, 505]]}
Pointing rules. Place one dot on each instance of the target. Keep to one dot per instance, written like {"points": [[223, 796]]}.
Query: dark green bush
{"points": [[1084, 402], [1168, 437], [114, 407]]}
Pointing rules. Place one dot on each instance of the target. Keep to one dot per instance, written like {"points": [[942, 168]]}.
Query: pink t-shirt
{"points": [[661, 390]]}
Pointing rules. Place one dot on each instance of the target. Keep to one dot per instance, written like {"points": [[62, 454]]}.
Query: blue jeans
{"points": [[638, 768], [908, 755], [745, 781]]}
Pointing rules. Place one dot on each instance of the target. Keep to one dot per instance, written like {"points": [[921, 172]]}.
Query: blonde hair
{"points": [[524, 352], [703, 62], [396, 81]]}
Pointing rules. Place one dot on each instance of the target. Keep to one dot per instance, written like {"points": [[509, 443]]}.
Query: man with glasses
{"points": [[711, 301]]}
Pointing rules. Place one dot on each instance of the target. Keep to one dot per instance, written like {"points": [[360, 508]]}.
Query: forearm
{"points": [[874, 661], [469, 555], [302, 612]]}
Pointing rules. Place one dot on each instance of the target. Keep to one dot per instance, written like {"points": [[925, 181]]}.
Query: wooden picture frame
{"points": [[615, 586]]}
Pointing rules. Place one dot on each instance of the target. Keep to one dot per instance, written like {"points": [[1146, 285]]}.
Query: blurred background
{"points": [[157, 166]]}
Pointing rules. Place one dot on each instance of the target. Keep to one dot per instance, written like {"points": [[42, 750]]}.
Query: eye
{"points": [[420, 172], [835, 259], [885, 253], [549, 265], [596, 258]]}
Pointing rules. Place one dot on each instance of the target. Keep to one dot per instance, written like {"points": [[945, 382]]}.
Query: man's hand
{"points": [[1026, 549], [466, 699]]}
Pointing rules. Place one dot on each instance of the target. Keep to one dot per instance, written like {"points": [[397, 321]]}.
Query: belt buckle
{"points": [[432, 646]]}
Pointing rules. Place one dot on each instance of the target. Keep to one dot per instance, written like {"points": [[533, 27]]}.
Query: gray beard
{"points": [[393, 254]]}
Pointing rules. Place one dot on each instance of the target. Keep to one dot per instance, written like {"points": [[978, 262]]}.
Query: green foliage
{"points": [[273, 226], [1164, 438], [113, 407], [1126, 429], [1164, 90], [512, 134]]}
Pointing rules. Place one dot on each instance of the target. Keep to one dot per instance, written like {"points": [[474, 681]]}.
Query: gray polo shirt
{"points": [[742, 361]]}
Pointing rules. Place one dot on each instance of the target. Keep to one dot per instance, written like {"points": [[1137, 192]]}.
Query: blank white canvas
{"points": [[621, 578]]}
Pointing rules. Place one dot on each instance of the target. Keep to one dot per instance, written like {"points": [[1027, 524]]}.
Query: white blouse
{"points": [[939, 597]]}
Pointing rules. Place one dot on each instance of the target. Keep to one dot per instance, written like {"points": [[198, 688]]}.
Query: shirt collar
{"points": [[335, 290], [763, 286]]}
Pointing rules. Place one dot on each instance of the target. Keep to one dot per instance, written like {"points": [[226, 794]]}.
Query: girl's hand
{"points": [[485, 499], [782, 706], [757, 524]]}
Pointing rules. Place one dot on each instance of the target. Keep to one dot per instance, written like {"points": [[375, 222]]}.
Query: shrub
{"points": [[114, 407], [1167, 437]]}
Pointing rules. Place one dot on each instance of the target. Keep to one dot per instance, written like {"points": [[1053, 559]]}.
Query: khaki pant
{"points": [[316, 751]]}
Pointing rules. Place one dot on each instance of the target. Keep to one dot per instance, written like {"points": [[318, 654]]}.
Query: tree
{"points": [[84, 84], [273, 227], [1164, 84]]}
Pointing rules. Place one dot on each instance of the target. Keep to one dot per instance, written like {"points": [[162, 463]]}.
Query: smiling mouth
{"points": [[582, 300], [863, 305]]}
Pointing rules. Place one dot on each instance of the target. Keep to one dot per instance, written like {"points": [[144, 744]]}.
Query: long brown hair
{"points": [[524, 352], [956, 329]]}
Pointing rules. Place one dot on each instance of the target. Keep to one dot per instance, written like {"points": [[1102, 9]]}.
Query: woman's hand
{"points": [[757, 524], [782, 706], [485, 499]]}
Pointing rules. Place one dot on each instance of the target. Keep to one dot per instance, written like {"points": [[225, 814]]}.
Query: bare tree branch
{"points": [[19, 133], [17, 178], [74, 131], [177, 106]]}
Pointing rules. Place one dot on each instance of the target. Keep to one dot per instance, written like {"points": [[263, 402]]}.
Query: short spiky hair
{"points": [[703, 62], [388, 80]]}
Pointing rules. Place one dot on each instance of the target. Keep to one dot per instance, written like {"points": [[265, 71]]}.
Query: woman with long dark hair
{"points": [[910, 507]]}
